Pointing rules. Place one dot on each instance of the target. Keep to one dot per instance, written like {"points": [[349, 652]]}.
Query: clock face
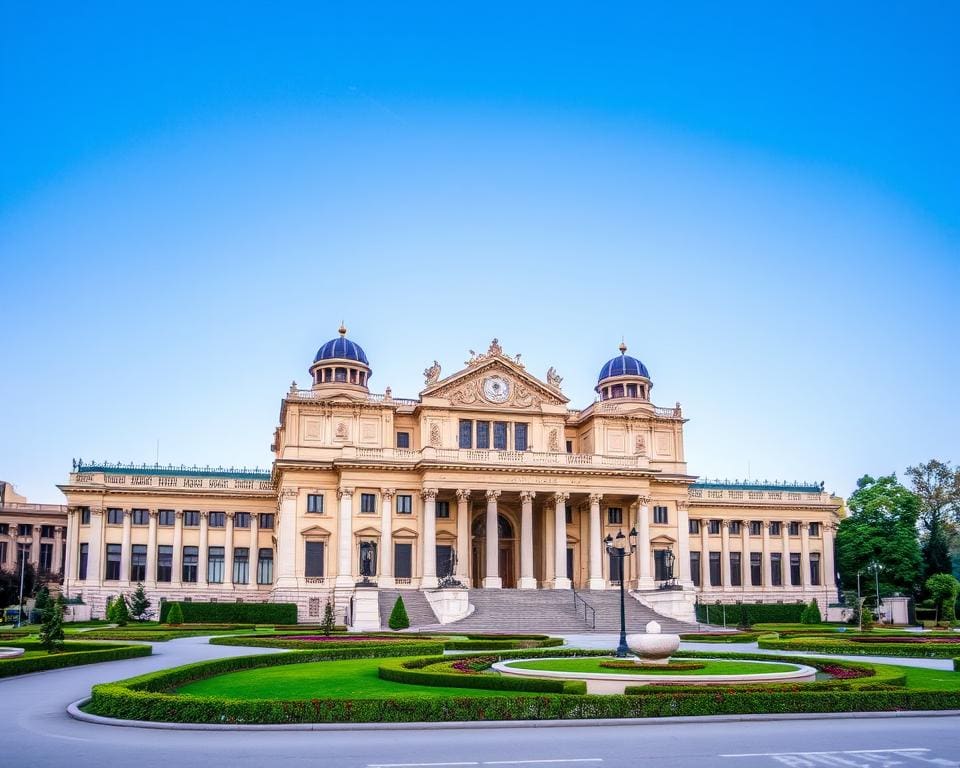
{"points": [[496, 389]]}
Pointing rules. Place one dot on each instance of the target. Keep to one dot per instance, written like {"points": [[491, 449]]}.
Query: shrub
{"points": [[944, 589], [175, 615], [398, 616], [720, 637], [811, 614], [419, 646], [42, 602], [72, 655], [139, 604], [232, 613], [51, 633], [329, 623], [755, 613], [841, 647], [118, 613]]}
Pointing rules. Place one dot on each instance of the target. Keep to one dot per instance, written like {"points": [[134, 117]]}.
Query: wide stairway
{"points": [[418, 609]]}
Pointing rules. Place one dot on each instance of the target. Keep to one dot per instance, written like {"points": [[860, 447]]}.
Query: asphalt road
{"points": [[37, 732]]}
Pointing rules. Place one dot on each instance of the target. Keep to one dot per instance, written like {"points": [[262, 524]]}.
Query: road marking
{"points": [[832, 752], [489, 762], [415, 765]]}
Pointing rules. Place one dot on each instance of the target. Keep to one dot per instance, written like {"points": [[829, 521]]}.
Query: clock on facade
{"points": [[496, 389]]}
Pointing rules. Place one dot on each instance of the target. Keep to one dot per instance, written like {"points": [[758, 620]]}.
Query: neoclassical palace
{"points": [[488, 477]]}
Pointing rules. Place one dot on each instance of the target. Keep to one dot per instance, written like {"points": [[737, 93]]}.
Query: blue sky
{"points": [[764, 203]]}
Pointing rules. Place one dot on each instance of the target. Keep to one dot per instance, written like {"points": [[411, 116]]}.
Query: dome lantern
{"points": [[624, 377], [341, 363]]}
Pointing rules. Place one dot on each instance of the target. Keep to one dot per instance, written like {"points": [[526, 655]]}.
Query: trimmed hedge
{"points": [[724, 637], [756, 613], [73, 654], [412, 672], [417, 646], [852, 648], [233, 613], [476, 643]]}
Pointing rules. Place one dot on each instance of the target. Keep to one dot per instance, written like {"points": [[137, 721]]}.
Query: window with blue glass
{"points": [[483, 434], [500, 435], [403, 439], [520, 437], [466, 433]]}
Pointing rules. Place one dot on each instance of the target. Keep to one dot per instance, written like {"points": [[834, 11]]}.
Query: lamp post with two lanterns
{"points": [[621, 547]]}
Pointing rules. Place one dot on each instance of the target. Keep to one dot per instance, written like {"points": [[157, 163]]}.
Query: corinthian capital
{"points": [[388, 493], [463, 494], [527, 496], [561, 498], [344, 491], [429, 494], [288, 493], [493, 495], [596, 498], [682, 506], [643, 500]]}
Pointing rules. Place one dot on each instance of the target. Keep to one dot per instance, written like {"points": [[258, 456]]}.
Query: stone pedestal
{"points": [[366, 610], [449, 604]]}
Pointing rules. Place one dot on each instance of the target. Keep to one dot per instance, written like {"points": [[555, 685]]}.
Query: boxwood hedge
{"points": [[841, 647], [73, 654], [233, 613], [753, 613], [473, 643]]}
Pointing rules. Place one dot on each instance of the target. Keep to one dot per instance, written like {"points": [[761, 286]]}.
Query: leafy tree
{"points": [[882, 529], [175, 616], [398, 616], [937, 484], [936, 551], [118, 613], [944, 589], [139, 604], [811, 614], [42, 602], [328, 623], [51, 633]]}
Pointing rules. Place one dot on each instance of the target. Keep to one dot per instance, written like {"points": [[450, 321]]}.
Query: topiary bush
{"points": [[232, 613], [174, 615], [811, 614], [398, 616], [117, 613], [746, 614]]}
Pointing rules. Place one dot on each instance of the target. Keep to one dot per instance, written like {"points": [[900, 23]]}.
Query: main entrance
{"points": [[507, 551]]}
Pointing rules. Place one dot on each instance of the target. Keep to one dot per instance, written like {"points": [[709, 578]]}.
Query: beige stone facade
{"points": [[37, 530], [488, 477]]}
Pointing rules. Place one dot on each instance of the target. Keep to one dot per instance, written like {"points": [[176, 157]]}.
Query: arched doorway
{"points": [[507, 550]]}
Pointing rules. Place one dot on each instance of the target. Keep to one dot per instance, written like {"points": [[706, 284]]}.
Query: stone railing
{"points": [[171, 481], [738, 495], [495, 457], [619, 405], [320, 394]]}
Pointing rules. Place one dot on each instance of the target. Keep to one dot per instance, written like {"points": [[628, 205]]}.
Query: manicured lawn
{"points": [[354, 679], [933, 679], [710, 667]]}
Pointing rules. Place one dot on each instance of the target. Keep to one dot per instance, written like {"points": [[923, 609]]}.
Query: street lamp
{"points": [[622, 547], [876, 568]]}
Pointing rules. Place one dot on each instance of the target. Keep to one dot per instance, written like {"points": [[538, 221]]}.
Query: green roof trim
{"points": [[758, 485], [171, 470]]}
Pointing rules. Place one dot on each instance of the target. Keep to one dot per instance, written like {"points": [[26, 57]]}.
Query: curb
{"points": [[77, 714]]}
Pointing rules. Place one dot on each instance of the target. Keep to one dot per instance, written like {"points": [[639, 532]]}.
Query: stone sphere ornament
{"points": [[653, 648]]}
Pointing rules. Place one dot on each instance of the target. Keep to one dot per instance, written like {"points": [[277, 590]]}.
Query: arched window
{"points": [[340, 374], [617, 390]]}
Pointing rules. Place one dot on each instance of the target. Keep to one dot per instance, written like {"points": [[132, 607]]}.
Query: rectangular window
{"points": [[794, 528], [403, 439], [46, 531], [138, 563], [82, 562], [191, 559], [140, 517], [165, 517], [444, 560], [693, 526], [695, 568], [46, 558], [716, 577], [736, 579], [218, 519], [84, 515], [241, 565], [756, 569], [815, 569], [241, 520], [756, 528], [404, 504], [520, 436], [714, 527], [191, 518], [215, 563], [466, 433], [616, 569], [568, 518], [313, 559], [265, 566], [614, 516], [3, 552], [266, 523], [774, 529], [499, 435], [403, 560], [660, 570], [814, 529], [113, 563], [443, 509], [164, 563], [569, 446], [315, 503], [114, 516], [368, 503], [368, 558], [776, 569], [735, 527], [24, 529], [795, 569], [483, 434], [661, 516]]}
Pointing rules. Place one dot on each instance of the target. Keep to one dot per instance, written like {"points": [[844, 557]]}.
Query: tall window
{"points": [[693, 525], [46, 558], [466, 433], [403, 439], [735, 527], [568, 517], [444, 560], [660, 515], [164, 563], [314, 559], [241, 520], [241, 565], [113, 563], [815, 569], [756, 569], [315, 503], [735, 574], [368, 558], [403, 560], [82, 562], [616, 568], [716, 579], [114, 516], [714, 527], [191, 559], [368, 503], [520, 436], [756, 528], [218, 519], [215, 557], [191, 518], [500, 435], [483, 434], [695, 567], [814, 529], [266, 523], [615, 517], [46, 531], [138, 563], [84, 515], [776, 569], [443, 509], [775, 529], [660, 570], [404, 504], [794, 528], [24, 529], [140, 516], [3, 554], [165, 517], [795, 569], [265, 567]]}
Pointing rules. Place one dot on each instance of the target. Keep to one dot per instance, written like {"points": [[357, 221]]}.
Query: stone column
{"points": [[562, 579], [254, 545], [228, 553], [705, 584], [527, 580], [385, 578], [73, 527], [492, 578], [595, 578], [744, 553], [286, 564], [829, 576], [785, 557], [548, 546], [805, 556], [725, 553], [463, 536], [428, 579], [766, 555], [202, 554], [95, 550], [645, 577], [125, 549], [152, 549], [176, 578], [35, 547], [345, 538], [57, 562], [683, 543]]}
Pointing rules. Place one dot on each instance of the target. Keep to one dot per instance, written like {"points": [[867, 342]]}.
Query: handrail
{"points": [[590, 618]]}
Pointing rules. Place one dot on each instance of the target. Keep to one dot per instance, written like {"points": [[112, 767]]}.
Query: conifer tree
{"points": [[328, 623], [139, 604], [175, 616], [398, 616], [51, 633]]}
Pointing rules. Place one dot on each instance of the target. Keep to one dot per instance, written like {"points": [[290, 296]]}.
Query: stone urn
{"points": [[652, 647]]}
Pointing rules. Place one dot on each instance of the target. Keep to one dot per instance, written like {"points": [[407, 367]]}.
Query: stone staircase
{"points": [[418, 609], [606, 603]]}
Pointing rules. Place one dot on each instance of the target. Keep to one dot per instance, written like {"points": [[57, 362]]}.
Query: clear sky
{"points": [[764, 202]]}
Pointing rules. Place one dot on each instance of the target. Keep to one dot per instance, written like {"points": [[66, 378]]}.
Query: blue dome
{"points": [[341, 348], [623, 365]]}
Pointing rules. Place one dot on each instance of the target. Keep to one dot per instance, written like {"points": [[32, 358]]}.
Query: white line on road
{"points": [[490, 762], [830, 752], [415, 765]]}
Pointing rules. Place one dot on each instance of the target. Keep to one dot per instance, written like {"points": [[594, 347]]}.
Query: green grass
{"points": [[710, 667], [353, 679], [932, 679]]}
